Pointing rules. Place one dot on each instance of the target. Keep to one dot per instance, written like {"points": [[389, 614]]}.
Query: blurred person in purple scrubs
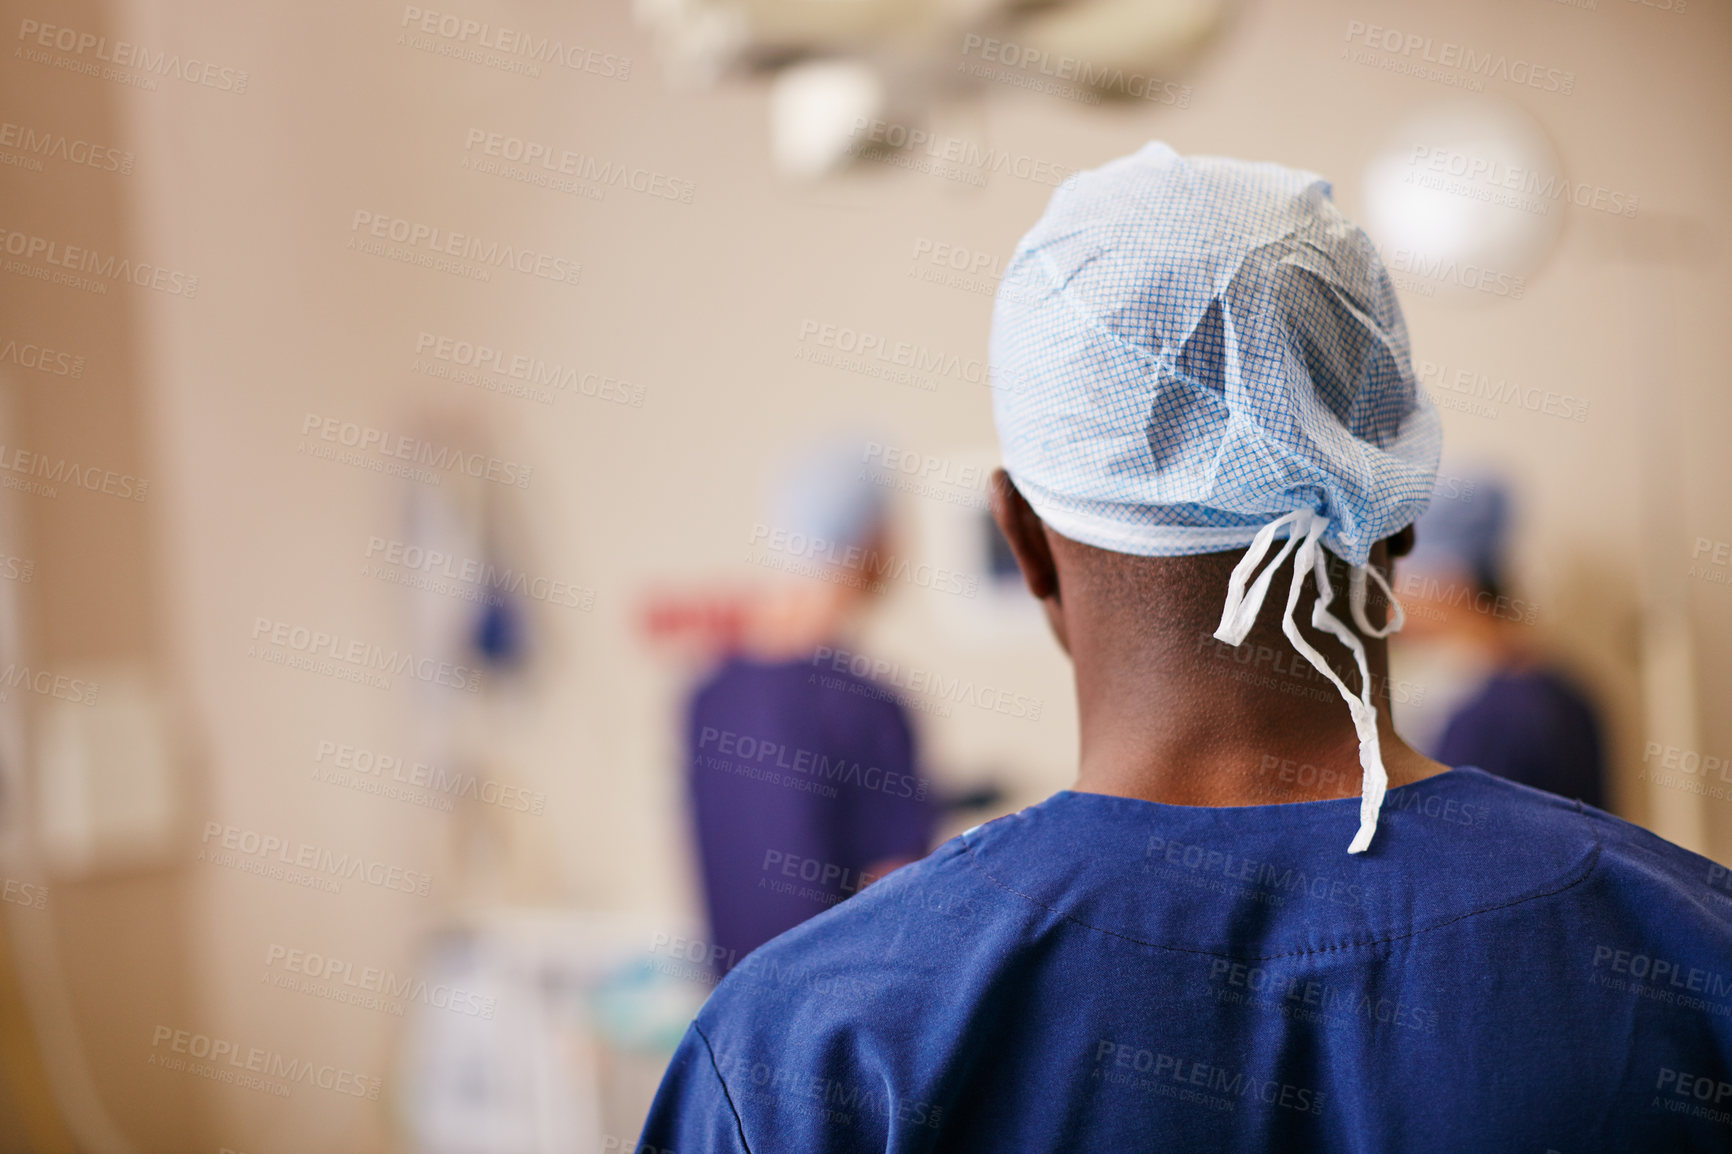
{"points": [[1499, 703], [804, 778]]}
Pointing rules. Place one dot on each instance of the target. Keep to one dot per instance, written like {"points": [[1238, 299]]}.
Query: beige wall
{"points": [[109, 953], [701, 306]]}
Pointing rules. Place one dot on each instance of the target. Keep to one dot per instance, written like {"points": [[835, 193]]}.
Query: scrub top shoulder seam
{"points": [[1591, 861], [727, 1096]]}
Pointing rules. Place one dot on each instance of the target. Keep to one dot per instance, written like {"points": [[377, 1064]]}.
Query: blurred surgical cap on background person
{"points": [[832, 492], [1465, 531]]}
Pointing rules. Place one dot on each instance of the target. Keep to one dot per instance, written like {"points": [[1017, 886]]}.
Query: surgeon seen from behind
{"points": [[1259, 920], [1494, 698], [803, 774]]}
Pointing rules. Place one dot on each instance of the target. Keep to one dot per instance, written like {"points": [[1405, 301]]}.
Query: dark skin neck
{"points": [[1170, 715]]}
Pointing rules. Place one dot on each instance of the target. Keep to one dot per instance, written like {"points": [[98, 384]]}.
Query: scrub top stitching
{"points": [[1589, 863], [710, 1052]]}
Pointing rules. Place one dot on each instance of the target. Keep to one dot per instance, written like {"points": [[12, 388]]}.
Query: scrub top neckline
{"points": [[1262, 882], [1321, 808]]}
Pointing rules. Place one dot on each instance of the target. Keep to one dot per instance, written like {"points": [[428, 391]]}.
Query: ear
{"points": [[1025, 533], [1401, 544]]}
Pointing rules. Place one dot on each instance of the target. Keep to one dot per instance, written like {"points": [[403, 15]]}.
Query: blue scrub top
{"points": [[1503, 970], [1531, 726], [803, 779]]}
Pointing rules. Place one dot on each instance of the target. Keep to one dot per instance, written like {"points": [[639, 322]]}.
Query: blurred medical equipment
{"points": [[545, 1018], [841, 66], [500, 1057], [1466, 200]]}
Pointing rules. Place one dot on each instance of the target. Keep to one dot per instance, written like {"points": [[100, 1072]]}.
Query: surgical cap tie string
{"points": [[1240, 613]]}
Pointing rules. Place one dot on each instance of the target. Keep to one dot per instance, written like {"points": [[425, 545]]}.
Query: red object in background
{"points": [[702, 622]]}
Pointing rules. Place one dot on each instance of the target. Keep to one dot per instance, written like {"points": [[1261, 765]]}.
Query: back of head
{"points": [[1465, 533], [1194, 355], [1195, 346]]}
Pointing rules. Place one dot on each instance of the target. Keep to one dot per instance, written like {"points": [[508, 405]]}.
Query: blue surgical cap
{"points": [[1188, 347], [831, 492], [1193, 354], [1465, 530]]}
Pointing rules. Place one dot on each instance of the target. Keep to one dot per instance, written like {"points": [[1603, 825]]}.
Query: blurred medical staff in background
{"points": [[1497, 702], [805, 784]]}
